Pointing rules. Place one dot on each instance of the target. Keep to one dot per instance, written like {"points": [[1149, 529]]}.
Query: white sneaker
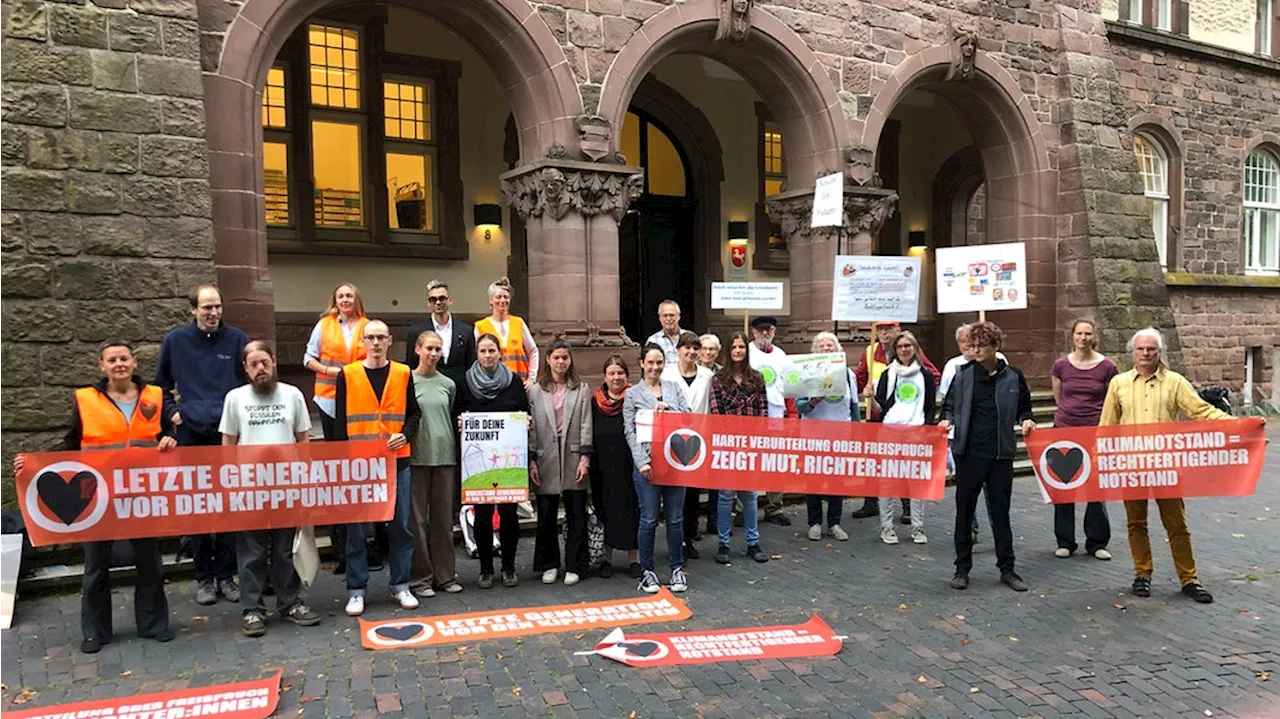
{"points": [[1062, 553], [549, 576], [838, 533], [1102, 554], [406, 599], [815, 532], [355, 605], [888, 536], [918, 536], [425, 593], [570, 579]]}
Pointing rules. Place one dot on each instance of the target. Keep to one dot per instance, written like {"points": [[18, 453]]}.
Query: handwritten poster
{"points": [[815, 375], [876, 289], [982, 277], [495, 457], [746, 295]]}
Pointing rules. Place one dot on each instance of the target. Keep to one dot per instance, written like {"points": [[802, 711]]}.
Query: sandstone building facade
{"points": [[630, 147]]}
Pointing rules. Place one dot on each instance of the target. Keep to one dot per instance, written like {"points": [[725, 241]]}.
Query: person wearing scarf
{"points": [[905, 395], [492, 387], [613, 494]]}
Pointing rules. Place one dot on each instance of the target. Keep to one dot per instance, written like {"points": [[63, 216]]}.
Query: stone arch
{"points": [[1269, 140], [1163, 131], [509, 34], [783, 70], [1020, 185]]}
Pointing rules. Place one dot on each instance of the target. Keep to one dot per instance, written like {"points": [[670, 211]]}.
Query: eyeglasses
{"points": [[377, 338], [444, 298]]}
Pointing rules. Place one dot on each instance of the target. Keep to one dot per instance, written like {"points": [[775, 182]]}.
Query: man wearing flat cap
{"points": [[769, 360]]}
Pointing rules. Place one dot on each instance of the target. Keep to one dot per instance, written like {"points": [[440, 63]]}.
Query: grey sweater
{"points": [[639, 397]]}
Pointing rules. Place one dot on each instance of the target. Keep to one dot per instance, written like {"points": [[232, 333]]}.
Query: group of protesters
{"points": [[585, 450]]}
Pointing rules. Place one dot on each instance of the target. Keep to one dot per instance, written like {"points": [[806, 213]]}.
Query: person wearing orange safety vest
{"points": [[119, 412], [519, 353], [335, 343], [375, 401]]}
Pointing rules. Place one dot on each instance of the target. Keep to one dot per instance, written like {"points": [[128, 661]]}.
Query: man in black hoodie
{"points": [[201, 362]]}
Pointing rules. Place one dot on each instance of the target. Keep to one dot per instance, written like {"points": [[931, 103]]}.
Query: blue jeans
{"points": [[750, 514], [401, 540], [835, 505], [673, 497]]}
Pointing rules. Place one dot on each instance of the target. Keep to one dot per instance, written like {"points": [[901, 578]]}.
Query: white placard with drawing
{"points": [[875, 289], [977, 278]]}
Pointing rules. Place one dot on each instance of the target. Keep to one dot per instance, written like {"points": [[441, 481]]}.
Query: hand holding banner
{"points": [[1214, 458]]}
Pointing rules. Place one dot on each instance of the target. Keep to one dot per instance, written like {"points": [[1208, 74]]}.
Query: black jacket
{"points": [[75, 434], [930, 395], [1013, 406], [512, 399], [462, 353]]}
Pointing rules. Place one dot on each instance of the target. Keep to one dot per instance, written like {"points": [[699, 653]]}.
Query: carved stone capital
{"points": [[866, 209], [585, 334], [555, 188]]}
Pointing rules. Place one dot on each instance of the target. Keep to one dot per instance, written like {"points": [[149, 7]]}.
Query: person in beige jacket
{"points": [[560, 440]]}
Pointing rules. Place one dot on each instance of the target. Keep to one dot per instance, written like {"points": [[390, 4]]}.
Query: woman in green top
{"points": [[434, 468]]}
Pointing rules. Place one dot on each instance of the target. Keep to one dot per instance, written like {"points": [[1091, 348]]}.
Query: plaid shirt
{"points": [[736, 399]]}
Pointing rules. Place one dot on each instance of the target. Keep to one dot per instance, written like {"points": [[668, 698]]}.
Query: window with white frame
{"points": [[1262, 213], [1164, 15], [1153, 165], [1265, 29]]}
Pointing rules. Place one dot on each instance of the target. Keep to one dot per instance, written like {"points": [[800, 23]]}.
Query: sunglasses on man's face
{"points": [[443, 298]]}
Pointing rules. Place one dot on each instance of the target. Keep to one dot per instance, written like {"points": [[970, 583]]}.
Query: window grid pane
{"points": [[773, 158], [338, 169], [335, 67], [1152, 165], [273, 99], [1164, 15], [275, 170], [1159, 227], [407, 107], [411, 191], [1262, 180]]}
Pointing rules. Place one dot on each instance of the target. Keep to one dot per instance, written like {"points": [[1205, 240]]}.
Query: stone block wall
{"points": [[106, 203]]}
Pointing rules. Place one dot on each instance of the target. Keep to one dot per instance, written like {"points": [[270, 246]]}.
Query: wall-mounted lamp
{"points": [[918, 238], [488, 217], [739, 230]]}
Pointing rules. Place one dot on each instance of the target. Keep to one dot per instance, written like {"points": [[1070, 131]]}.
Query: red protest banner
{"points": [[131, 493], [850, 459], [498, 624], [811, 639], [1213, 458], [244, 700]]}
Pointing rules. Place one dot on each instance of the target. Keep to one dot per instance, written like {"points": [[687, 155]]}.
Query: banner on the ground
{"points": [[89, 496], [495, 457], [814, 375], [974, 278], [811, 639], [502, 623], [807, 456], [876, 289], [1212, 458], [243, 700]]}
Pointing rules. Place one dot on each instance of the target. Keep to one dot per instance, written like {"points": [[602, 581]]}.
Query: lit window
{"points": [[773, 153], [775, 173], [411, 191], [408, 110], [275, 169], [1153, 165], [663, 164], [1262, 213], [335, 66], [273, 105], [337, 172]]}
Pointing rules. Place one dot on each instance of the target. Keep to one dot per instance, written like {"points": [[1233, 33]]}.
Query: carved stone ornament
{"points": [[865, 210], [594, 133], [964, 53], [735, 20], [555, 190]]}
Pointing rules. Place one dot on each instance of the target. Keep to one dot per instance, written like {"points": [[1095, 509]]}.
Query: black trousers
{"points": [[995, 477], [214, 554], [1097, 526], [266, 556], [691, 496], [150, 606], [508, 535], [546, 546]]}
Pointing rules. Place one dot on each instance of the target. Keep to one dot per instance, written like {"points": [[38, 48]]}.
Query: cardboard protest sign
{"points": [[501, 623], [1213, 458], [845, 459], [813, 375], [876, 289], [131, 493], [811, 639], [243, 700], [495, 457]]}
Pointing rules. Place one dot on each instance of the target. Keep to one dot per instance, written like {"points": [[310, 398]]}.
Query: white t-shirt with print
{"points": [[269, 419]]}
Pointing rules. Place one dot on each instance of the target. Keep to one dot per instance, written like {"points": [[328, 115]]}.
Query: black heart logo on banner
{"points": [[400, 634], [641, 649], [685, 447], [67, 498], [1065, 464]]}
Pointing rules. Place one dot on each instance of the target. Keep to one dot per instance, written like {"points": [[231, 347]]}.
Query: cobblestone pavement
{"points": [[1077, 644]]}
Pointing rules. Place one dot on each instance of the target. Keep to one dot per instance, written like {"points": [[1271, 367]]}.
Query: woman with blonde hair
{"points": [[905, 395], [334, 343], [836, 408], [519, 352]]}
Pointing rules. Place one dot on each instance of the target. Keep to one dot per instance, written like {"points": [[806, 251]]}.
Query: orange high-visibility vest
{"points": [[104, 426], [368, 418], [334, 352], [514, 355]]}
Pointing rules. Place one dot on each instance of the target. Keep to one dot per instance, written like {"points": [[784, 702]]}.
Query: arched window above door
{"points": [[648, 146], [1153, 165]]}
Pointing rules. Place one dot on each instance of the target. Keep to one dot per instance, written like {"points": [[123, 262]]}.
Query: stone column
{"points": [[813, 250], [571, 211]]}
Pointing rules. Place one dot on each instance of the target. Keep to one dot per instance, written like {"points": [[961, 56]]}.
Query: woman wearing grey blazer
{"points": [[652, 393], [560, 439]]}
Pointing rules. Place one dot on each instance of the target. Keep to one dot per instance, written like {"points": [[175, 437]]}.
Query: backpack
{"points": [[1218, 397], [467, 520]]}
